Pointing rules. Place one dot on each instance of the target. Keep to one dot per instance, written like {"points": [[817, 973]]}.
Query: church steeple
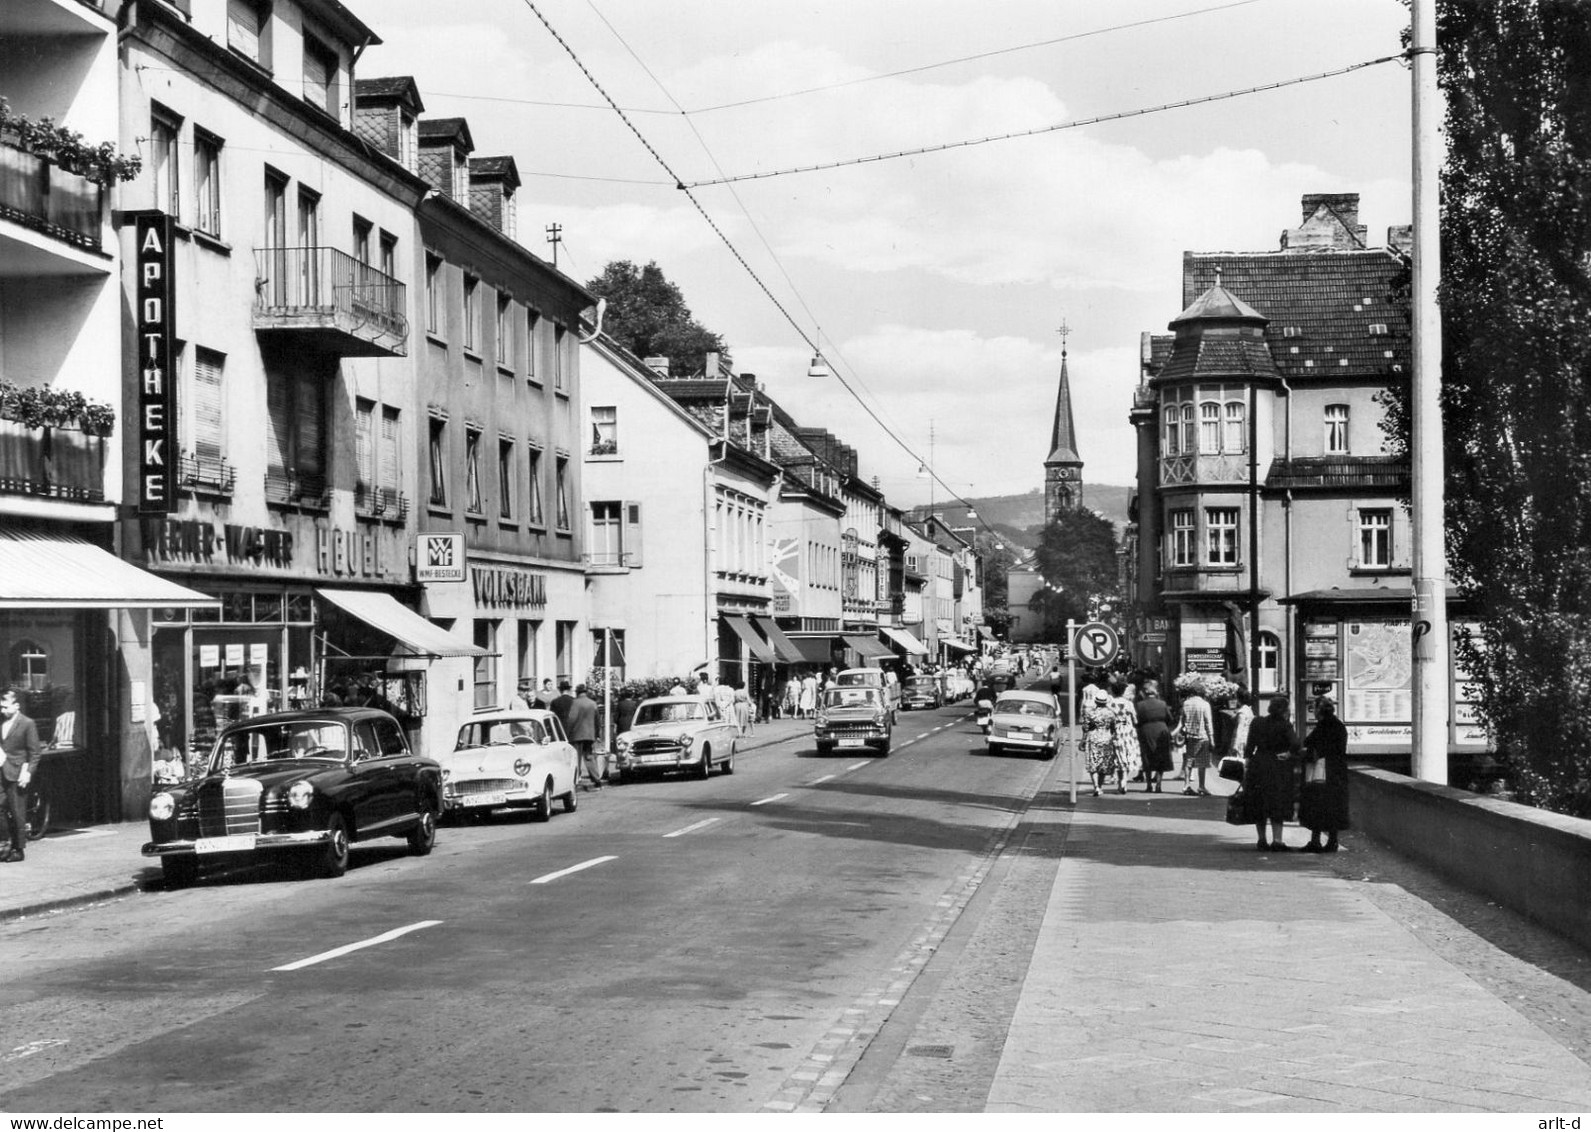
{"points": [[1063, 467]]}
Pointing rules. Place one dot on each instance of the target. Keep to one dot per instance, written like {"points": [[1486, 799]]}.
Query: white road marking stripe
{"points": [[816, 781], [857, 766], [765, 801], [33, 1047], [691, 828], [371, 942], [573, 869]]}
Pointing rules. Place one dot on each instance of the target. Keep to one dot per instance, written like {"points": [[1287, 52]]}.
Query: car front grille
{"points": [[656, 747], [229, 806], [854, 727], [457, 787]]}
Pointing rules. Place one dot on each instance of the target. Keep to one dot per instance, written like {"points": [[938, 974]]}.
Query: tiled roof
{"points": [[1332, 314], [1217, 302], [455, 129], [401, 87], [495, 167], [1339, 471], [1216, 355], [1063, 433]]}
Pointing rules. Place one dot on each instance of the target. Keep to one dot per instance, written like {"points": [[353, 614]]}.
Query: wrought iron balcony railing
{"points": [[296, 489], [209, 474], [384, 503], [336, 302]]}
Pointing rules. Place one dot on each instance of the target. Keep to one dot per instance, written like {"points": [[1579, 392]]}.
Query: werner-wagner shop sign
{"points": [[155, 433], [324, 550]]}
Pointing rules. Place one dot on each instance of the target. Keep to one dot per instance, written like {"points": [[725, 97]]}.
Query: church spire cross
{"points": [[1064, 331]]}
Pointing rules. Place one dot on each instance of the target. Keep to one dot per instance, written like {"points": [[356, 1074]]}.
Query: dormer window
{"points": [[247, 30], [1379, 330], [320, 76]]}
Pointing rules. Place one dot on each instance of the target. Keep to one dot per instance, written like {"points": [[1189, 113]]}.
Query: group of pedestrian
{"points": [[800, 700], [1279, 768], [1110, 739]]}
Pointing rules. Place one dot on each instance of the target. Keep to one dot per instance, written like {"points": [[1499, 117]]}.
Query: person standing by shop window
{"points": [[19, 740]]}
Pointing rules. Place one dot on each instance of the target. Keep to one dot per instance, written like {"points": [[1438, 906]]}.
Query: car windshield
{"points": [[498, 733], [850, 697], [299, 739], [1026, 707], [923, 682], [859, 679], [676, 712]]}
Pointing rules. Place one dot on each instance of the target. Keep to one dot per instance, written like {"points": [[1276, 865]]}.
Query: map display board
{"points": [[1379, 658]]}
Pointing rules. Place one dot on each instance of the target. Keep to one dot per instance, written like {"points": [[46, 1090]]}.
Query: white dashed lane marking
{"points": [[765, 801], [858, 766], [572, 869], [384, 937], [691, 828], [819, 781]]}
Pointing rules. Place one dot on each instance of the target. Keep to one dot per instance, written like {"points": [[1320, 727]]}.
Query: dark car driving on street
{"points": [[305, 784]]}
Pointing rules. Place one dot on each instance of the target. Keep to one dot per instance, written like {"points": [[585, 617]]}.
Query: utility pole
{"points": [[555, 237], [1429, 615]]}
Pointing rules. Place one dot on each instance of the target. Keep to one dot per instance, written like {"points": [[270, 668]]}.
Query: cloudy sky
{"points": [[936, 282]]}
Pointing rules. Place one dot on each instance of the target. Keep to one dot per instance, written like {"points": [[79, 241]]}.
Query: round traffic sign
{"points": [[1096, 643]]}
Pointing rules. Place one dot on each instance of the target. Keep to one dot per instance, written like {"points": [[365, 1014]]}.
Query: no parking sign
{"points": [[1095, 644]]}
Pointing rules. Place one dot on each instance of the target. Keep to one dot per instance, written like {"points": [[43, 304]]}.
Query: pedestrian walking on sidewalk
{"points": [[1124, 735], [1323, 795], [743, 713], [1198, 731], [1268, 779], [809, 695], [19, 740], [791, 704], [583, 734], [1154, 736], [1098, 723]]}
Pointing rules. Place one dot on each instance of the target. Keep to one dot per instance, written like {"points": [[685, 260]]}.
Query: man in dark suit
{"points": [[560, 706], [19, 740]]}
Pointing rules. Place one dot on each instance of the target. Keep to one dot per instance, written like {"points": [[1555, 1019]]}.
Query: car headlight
{"points": [[823, 719], [878, 719], [685, 742], [162, 806], [446, 774], [299, 795], [623, 744], [522, 767]]}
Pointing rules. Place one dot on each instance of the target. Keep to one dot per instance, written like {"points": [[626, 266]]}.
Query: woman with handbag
{"points": [[1099, 749], [1323, 797], [1154, 736], [1268, 779], [1124, 734]]}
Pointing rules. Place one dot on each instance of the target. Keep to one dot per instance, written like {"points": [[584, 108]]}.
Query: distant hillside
{"points": [[1015, 516]]}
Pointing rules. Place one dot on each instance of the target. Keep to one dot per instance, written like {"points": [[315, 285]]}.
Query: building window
{"points": [[505, 333], [1220, 536], [389, 255], [308, 239], [532, 322], [362, 234], [1190, 439], [607, 534], [505, 479], [1375, 538], [1209, 428], [533, 512], [276, 237], [207, 182], [163, 131], [1336, 430], [1182, 537], [1173, 419], [486, 666], [389, 463], [209, 415], [247, 30], [433, 294], [558, 333], [365, 445], [1270, 662], [562, 489], [438, 451], [472, 471], [472, 313], [604, 430], [1235, 439], [320, 76], [295, 426]]}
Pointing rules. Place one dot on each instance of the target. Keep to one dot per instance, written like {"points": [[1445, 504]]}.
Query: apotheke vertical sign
{"points": [[157, 384]]}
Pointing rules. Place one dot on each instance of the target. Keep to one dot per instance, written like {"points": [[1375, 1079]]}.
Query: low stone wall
{"points": [[1535, 862]]}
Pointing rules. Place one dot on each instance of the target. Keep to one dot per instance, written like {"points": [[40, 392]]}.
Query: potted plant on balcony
{"points": [[100, 163], [43, 406]]}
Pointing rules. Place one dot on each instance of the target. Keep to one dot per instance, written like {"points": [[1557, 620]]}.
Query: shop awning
{"points": [[815, 650], [957, 643], [868, 647], [382, 611], [783, 647], [41, 572], [759, 647], [904, 639], [944, 628]]}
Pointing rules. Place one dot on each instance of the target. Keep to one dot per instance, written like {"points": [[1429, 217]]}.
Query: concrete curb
{"points": [[63, 903]]}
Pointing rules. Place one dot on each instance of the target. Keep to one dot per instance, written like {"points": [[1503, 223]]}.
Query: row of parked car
{"points": [[307, 785]]}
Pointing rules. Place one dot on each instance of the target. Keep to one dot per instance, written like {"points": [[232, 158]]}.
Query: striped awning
{"points": [[783, 647], [53, 572], [869, 648], [904, 639], [382, 611], [759, 647]]}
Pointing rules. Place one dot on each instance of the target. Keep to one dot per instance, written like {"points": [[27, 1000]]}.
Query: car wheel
{"points": [[333, 860], [570, 802], [993, 749], [1049, 753], [422, 838], [543, 811], [179, 872], [825, 748], [706, 769], [883, 752], [729, 763]]}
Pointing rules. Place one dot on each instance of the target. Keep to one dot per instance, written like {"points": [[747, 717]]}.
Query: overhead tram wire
{"points": [[741, 259], [1056, 127]]}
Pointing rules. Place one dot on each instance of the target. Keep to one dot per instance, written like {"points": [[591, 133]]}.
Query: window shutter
{"points": [[365, 443], [388, 474], [279, 422], [632, 534], [310, 419], [243, 27], [207, 434]]}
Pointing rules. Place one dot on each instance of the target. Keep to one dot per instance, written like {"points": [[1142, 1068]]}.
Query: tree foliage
{"points": [[1516, 305], [647, 315], [1077, 560]]}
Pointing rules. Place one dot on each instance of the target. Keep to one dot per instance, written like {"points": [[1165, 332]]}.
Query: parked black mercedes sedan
{"points": [[304, 784]]}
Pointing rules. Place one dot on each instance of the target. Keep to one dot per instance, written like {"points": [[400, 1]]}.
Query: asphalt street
{"points": [[729, 945]]}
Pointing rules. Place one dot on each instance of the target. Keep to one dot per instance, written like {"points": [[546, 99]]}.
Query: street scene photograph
{"points": [[877, 558]]}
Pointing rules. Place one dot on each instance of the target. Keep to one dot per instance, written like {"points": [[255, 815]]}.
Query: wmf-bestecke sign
{"points": [[439, 558]]}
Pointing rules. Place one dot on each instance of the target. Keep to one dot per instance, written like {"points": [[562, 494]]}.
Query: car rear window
{"points": [[1025, 707]]}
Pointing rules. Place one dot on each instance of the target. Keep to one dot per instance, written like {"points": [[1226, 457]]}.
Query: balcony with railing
{"points": [[206, 475], [384, 503], [1224, 469], [64, 207], [326, 300], [55, 463], [285, 488]]}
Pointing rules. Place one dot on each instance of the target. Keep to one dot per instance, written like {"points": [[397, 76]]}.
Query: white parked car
{"points": [[1030, 720], [517, 759], [686, 733], [871, 678]]}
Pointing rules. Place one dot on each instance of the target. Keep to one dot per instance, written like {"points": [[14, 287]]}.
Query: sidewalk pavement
{"points": [[1178, 969], [71, 867]]}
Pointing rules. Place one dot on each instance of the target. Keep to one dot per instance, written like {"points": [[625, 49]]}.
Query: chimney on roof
{"points": [[657, 364], [1330, 223], [712, 365], [1400, 238]]}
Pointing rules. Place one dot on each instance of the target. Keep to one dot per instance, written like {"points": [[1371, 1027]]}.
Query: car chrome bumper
{"points": [[1021, 740], [522, 797], [261, 841]]}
